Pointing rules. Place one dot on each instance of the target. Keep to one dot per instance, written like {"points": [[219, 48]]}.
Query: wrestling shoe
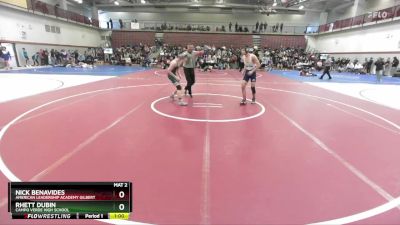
{"points": [[182, 103]]}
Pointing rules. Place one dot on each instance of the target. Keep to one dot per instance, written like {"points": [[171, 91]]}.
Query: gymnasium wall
{"points": [[218, 40], [382, 40], [123, 38], [374, 5], [309, 18], [21, 26], [277, 41], [370, 6]]}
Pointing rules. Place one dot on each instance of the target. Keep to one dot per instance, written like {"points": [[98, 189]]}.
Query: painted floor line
{"points": [[54, 109], [206, 106], [82, 145], [341, 160], [364, 119], [205, 213], [207, 103]]}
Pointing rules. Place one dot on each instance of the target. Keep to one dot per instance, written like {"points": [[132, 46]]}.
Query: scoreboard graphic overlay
{"points": [[70, 200]]}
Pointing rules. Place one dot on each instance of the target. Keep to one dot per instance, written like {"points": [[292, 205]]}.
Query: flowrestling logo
{"points": [[381, 15]]}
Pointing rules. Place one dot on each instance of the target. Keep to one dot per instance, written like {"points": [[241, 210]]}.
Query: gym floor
{"points": [[307, 152]]}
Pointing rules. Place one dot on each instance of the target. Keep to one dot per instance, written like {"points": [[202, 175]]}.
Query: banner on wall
{"points": [[135, 26], [381, 14], [19, 3], [108, 51]]}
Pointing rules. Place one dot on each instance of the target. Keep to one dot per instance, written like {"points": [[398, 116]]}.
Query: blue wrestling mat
{"points": [[96, 71], [338, 78]]}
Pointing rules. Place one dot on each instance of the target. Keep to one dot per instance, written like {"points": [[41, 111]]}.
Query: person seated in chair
{"points": [[358, 67], [350, 67]]}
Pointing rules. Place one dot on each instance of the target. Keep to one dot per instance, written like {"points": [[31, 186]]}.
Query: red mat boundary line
{"points": [[12, 177], [387, 206]]}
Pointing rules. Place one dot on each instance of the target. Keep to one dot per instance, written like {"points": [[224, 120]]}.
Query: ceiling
{"points": [[262, 6]]}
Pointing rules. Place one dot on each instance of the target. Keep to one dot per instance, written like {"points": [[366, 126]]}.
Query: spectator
{"points": [[6, 57], [52, 57], [223, 58], [111, 24], [281, 27], [257, 24], [365, 64], [81, 57], [236, 27], [395, 64], [369, 65], [388, 67], [89, 59], [121, 24], [41, 57], [35, 59], [75, 56], [350, 67], [26, 57], [230, 26], [358, 68], [379, 69], [46, 57], [58, 57], [265, 26], [108, 25]]}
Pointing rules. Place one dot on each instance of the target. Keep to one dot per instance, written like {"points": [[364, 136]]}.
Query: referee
{"points": [[328, 65], [190, 58]]}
